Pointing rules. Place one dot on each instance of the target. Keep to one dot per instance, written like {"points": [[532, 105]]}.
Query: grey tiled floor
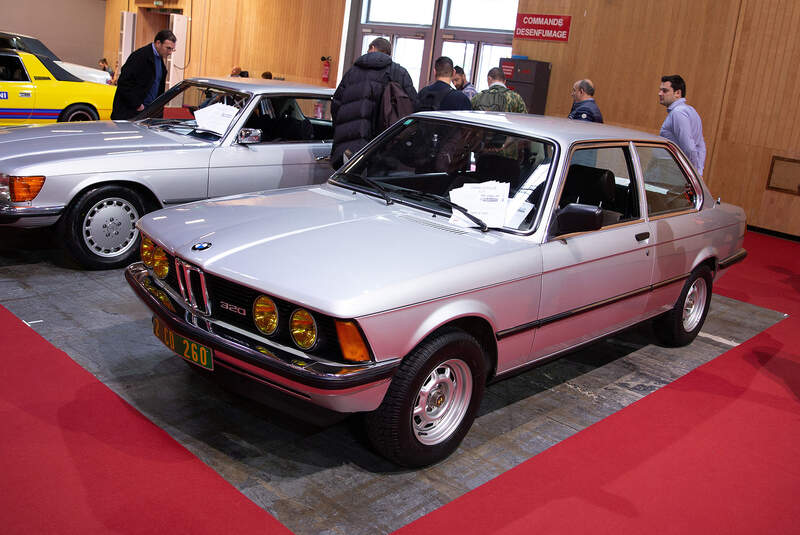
{"points": [[315, 473]]}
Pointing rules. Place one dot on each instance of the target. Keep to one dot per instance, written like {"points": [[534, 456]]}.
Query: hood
{"points": [[344, 254], [58, 148], [374, 60]]}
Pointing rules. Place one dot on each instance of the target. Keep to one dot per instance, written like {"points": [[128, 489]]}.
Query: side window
{"points": [[667, 188], [11, 69], [602, 177], [285, 119]]}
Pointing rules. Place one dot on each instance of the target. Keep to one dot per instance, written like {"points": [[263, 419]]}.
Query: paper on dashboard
{"points": [[486, 201], [216, 117]]}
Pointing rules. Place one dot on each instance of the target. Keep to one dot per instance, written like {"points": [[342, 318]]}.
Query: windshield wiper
{"points": [[369, 182], [447, 202]]}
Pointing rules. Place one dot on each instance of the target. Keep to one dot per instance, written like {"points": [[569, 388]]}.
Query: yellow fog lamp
{"points": [[265, 315], [303, 329], [352, 343], [25, 188], [160, 263], [147, 251]]}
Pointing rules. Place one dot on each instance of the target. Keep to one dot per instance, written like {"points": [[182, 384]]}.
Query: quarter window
{"points": [[667, 188]]}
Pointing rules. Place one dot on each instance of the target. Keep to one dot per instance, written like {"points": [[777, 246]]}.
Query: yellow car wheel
{"points": [[78, 112]]}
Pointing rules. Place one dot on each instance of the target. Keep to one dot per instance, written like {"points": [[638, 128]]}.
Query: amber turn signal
{"points": [[147, 250], [25, 188], [353, 347], [160, 263]]}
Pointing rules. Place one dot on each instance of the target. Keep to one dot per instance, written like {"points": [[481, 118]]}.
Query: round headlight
{"points": [[147, 250], [303, 329], [265, 315], [160, 263]]}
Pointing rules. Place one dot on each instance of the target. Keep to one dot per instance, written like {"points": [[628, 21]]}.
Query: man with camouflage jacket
{"points": [[498, 97]]}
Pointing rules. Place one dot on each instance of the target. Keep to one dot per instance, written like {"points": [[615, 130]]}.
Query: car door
{"points": [[17, 93], [595, 281], [294, 150], [673, 199]]}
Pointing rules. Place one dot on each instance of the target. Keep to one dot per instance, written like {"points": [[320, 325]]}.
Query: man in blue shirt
{"points": [[584, 108], [682, 125], [142, 79]]}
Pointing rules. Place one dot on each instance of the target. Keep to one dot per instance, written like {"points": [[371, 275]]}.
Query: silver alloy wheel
{"points": [[109, 228], [694, 304], [80, 115], [442, 402]]}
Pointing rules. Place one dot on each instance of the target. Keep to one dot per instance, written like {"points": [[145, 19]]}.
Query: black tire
{"points": [[451, 365], [98, 229], [678, 329], [78, 112]]}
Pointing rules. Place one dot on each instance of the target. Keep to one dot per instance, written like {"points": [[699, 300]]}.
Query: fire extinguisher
{"points": [[326, 68]]}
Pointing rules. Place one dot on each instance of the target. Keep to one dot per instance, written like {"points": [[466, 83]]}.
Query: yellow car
{"points": [[34, 90]]}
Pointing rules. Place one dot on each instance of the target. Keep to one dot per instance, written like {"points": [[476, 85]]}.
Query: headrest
{"points": [[591, 185]]}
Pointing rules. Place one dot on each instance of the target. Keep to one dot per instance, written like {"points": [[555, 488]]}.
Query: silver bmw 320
{"points": [[455, 249], [91, 181]]}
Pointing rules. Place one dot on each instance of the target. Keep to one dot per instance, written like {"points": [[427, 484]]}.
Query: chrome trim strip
{"points": [[30, 211], [499, 335], [735, 258]]}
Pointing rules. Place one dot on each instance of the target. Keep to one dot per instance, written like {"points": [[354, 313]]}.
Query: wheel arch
{"points": [[147, 195], [478, 327], [71, 104]]}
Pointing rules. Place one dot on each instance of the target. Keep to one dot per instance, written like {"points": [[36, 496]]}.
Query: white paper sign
{"points": [[486, 201], [216, 117]]}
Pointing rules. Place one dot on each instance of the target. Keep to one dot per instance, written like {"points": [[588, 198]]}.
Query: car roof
{"points": [[564, 131], [260, 85], [15, 34]]}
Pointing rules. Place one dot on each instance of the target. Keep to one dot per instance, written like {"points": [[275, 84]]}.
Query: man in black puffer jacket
{"points": [[357, 100]]}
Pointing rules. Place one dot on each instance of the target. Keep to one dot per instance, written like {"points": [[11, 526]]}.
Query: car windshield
{"points": [[199, 110], [471, 172]]}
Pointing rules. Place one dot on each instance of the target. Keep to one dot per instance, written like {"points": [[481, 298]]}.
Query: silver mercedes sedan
{"points": [[455, 249], [203, 138]]}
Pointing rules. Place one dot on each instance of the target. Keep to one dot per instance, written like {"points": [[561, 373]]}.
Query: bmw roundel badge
{"points": [[202, 246]]}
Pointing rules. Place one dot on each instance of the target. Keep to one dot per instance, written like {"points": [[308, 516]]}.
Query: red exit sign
{"points": [[542, 27]]}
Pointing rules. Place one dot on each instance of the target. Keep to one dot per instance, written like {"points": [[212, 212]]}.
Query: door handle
{"points": [[642, 236], [321, 158], [25, 93]]}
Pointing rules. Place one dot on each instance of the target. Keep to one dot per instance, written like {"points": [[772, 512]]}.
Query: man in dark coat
{"points": [[357, 99], [143, 76], [440, 95], [584, 108]]}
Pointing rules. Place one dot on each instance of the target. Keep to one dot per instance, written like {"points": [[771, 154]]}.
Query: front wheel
{"points": [[680, 326], [432, 401], [99, 227]]}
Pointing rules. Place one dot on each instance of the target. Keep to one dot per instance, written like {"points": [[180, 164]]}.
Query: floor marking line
{"points": [[29, 323], [719, 339]]}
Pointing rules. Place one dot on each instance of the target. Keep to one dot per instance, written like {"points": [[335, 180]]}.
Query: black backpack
{"points": [[432, 100], [394, 105]]}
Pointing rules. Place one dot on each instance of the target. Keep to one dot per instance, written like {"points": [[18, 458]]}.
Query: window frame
{"points": [[685, 167], [24, 70]]}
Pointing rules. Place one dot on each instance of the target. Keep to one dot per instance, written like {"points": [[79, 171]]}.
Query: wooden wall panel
{"points": [[286, 37], [761, 116]]}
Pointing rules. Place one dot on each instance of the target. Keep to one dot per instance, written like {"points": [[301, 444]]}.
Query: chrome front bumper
{"points": [[29, 216], [339, 387]]}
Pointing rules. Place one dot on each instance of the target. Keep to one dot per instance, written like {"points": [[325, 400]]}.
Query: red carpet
{"points": [[76, 458], [713, 452]]}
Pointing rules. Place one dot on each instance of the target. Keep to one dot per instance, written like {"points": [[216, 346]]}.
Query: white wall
{"points": [[72, 29]]}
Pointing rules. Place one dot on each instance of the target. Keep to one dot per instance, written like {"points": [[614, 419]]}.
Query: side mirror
{"points": [[248, 136], [576, 217]]}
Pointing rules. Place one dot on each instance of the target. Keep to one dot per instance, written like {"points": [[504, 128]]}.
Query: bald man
{"points": [[584, 108]]}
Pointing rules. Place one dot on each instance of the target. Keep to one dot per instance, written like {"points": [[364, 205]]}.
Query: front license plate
{"points": [[190, 350]]}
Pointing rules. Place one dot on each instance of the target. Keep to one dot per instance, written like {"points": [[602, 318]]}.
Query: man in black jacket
{"points": [[143, 76], [357, 99], [584, 108], [440, 95]]}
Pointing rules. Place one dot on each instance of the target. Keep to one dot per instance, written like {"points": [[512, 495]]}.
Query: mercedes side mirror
{"points": [[248, 136]]}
